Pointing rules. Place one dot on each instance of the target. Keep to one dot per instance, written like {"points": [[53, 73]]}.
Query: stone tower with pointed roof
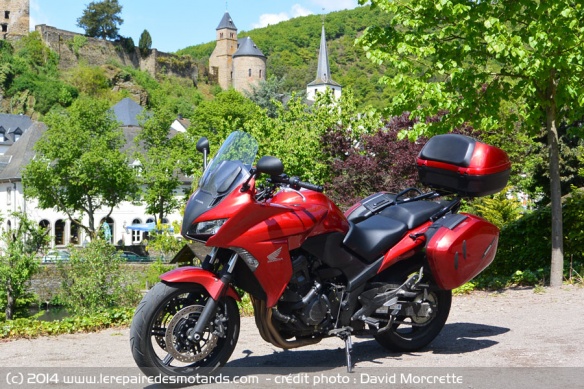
{"points": [[14, 18], [236, 63], [323, 74]]}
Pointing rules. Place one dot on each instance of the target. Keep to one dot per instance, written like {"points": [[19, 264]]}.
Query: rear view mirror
{"points": [[203, 147], [270, 165]]}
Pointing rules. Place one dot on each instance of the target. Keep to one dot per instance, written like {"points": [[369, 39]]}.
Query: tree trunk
{"points": [[9, 311], [557, 263]]}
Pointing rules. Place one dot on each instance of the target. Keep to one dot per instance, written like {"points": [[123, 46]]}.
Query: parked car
{"points": [[55, 255], [130, 256]]}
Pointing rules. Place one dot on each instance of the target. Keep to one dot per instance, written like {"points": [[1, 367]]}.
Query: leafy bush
{"points": [[93, 280], [524, 245], [31, 328], [380, 162]]}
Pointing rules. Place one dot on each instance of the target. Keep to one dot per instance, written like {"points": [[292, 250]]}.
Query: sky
{"points": [[176, 24]]}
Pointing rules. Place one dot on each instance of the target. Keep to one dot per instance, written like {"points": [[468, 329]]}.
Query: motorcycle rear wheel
{"points": [[417, 332], [162, 324]]}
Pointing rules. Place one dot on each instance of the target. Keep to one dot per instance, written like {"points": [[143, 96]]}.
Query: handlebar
{"points": [[295, 183]]}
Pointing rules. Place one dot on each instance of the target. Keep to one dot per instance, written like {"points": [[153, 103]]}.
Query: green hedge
{"points": [[524, 249]]}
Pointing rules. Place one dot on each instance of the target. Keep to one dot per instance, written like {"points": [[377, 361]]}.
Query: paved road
{"points": [[516, 339]]}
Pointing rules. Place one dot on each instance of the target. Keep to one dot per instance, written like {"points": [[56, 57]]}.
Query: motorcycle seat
{"points": [[412, 214], [373, 236]]}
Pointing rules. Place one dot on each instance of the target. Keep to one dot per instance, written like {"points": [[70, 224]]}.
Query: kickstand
{"points": [[348, 349], [345, 334]]}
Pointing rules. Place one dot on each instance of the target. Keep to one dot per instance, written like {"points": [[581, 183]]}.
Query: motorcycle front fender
{"points": [[196, 275]]}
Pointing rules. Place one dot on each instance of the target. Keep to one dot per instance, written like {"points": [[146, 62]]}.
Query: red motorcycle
{"points": [[386, 268]]}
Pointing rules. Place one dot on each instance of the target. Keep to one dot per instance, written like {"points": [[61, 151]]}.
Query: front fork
{"points": [[211, 305]]}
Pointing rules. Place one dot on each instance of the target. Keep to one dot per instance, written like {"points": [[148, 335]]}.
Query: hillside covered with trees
{"points": [[292, 51]]}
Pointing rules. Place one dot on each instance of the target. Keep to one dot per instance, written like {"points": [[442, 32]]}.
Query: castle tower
{"points": [[249, 65], [14, 18], [221, 60], [323, 74]]}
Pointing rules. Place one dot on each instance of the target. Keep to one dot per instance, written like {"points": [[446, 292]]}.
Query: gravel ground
{"points": [[516, 338]]}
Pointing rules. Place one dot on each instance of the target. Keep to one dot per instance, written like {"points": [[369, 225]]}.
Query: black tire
{"points": [[156, 322], [404, 337]]}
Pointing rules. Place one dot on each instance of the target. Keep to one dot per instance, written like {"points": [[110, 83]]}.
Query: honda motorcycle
{"points": [[385, 268]]}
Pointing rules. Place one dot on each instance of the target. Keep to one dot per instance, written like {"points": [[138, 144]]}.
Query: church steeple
{"points": [[323, 73]]}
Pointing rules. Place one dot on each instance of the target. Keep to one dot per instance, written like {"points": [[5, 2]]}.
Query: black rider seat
{"points": [[373, 236]]}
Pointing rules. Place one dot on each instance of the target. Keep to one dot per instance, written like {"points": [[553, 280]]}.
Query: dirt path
{"points": [[516, 338]]}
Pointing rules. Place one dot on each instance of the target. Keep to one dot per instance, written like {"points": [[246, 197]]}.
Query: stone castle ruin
{"points": [[14, 18], [72, 47]]}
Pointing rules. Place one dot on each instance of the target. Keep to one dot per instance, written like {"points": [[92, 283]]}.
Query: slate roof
{"points": [[323, 71], [126, 112], [226, 22], [246, 47], [11, 124], [20, 153]]}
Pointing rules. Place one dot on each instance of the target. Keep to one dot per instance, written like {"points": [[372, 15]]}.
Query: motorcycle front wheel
{"points": [[411, 333], [162, 328]]}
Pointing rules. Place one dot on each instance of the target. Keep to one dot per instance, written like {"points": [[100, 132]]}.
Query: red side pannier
{"points": [[460, 246], [462, 165]]}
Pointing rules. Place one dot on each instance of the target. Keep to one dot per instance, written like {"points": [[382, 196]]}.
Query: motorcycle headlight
{"points": [[210, 227]]}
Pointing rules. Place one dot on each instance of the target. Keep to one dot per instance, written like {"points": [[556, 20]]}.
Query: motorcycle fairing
{"points": [[269, 230]]}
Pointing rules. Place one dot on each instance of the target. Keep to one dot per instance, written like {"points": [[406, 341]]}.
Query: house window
{"points": [[136, 235], [74, 233], [220, 35], [231, 35], [9, 196], [5, 28], [249, 73], [6, 14], [59, 232], [260, 73], [45, 224]]}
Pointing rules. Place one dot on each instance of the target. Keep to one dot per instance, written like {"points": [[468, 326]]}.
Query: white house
{"points": [[63, 232]]}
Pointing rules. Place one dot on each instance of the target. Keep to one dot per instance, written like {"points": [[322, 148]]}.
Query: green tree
{"points": [[101, 19], [79, 167], [266, 93], [469, 58], [217, 118], [160, 170], [145, 43], [17, 261], [295, 133]]}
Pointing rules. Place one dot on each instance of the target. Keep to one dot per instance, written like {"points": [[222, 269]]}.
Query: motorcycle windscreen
{"points": [[459, 248]]}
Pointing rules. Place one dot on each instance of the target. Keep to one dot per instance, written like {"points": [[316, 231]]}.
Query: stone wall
{"points": [[73, 48]]}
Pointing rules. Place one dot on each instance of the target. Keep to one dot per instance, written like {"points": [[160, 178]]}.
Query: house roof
{"points": [[127, 111], [246, 47], [226, 22], [10, 124], [20, 153], [323, 71]]}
